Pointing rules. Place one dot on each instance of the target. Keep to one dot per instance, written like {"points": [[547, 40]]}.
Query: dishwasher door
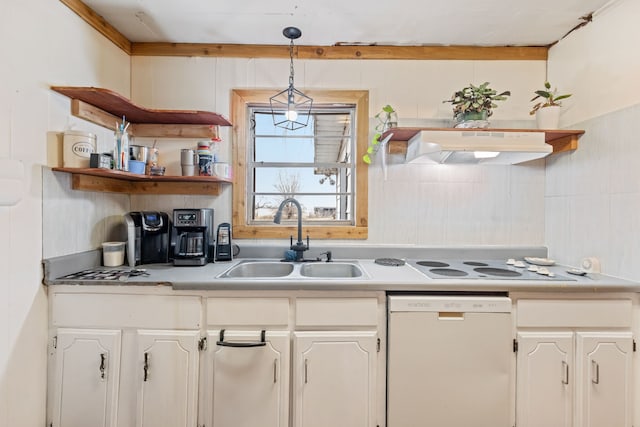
{"points": [[449, 361]]}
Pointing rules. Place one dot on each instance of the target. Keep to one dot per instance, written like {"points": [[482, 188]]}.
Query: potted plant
{"points": [[472, 105], [547, 111], [387, 118]]}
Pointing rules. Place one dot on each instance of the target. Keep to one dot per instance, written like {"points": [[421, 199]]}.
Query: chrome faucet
{"points": [[299, 247]]}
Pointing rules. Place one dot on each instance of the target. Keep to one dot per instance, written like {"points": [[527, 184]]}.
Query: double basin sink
{"points": [[263, 269]]}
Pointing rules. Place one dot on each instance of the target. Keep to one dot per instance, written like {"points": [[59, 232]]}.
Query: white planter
{"points": [[548, 117]]}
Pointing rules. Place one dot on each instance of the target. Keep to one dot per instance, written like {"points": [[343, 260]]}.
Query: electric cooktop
{"points": [[485, 269]]}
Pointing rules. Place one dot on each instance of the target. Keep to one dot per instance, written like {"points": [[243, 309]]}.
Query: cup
{"points": [[188, 157], [190, 170]]}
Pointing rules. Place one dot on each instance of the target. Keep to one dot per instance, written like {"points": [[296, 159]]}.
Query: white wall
{"points": [[442, 205], [592, 195], [44, 43]]}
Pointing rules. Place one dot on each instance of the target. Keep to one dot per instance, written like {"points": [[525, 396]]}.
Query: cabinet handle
{"points": [[103, 358], [306, 371], [595, 368], [146, 366], [275, 371], [565, 372], [221, 342]]}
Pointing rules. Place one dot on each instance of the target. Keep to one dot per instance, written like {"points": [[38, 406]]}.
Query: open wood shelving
{"points": [[113, 181], [107, 108]]}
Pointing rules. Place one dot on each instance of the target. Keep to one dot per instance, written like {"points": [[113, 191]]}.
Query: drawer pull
{"points": [[221, 342]]}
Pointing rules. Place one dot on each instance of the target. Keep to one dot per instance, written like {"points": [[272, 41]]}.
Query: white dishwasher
{"points": [[449, 361]]}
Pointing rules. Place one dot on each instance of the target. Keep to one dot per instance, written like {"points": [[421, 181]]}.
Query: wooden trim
{"points": [[241, 229], [110, 181], [174, 131], [314, 232], [99, 24], [511, 53]]}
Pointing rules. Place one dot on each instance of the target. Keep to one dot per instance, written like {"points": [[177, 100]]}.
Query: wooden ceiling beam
{"points": [[99, 24], [386, 52], [528, 53]]}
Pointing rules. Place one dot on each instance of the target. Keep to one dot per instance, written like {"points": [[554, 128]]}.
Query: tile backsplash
{"points": [[592, 196]]}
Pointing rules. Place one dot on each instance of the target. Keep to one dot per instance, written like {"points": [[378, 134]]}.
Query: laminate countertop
{"points": [[375, 277]]}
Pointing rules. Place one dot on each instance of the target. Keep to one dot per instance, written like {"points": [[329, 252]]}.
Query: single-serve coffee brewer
{"points": [[148, 237], [192, 236]]}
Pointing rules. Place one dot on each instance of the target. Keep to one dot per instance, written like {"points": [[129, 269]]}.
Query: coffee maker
{"points": [[192, 237], [147, 237]]}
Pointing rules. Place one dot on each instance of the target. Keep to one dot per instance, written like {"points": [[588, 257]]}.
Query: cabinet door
{"points": [[604, 383], [86, 378], [334, 379], [167, 374], [544, 379], [247, 385]]}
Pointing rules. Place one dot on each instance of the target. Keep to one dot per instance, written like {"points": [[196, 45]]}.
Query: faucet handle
{"points": [[327, 253]]}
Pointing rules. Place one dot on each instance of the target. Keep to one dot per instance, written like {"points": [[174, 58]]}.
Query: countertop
{"points": [[376, 277]]}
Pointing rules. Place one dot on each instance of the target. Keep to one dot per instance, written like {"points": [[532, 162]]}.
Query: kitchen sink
{"points": [[331, 269], [272, 269], [249, 269]]}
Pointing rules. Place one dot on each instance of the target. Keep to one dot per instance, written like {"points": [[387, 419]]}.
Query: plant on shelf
{"points": [[551, 98], [547, 111], [387, 118], [472, 105]]}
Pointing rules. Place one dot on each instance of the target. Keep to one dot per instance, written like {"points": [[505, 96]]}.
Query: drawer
{"points": [[248, 312], [596, 313], [126, 311], [336, 312]]}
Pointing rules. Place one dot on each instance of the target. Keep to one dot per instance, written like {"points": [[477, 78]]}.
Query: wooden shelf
{"points": [[112, 181], [561, 140], [105, 107]]}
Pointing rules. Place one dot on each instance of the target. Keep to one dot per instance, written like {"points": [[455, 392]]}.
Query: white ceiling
{"points": [[330, 22]]}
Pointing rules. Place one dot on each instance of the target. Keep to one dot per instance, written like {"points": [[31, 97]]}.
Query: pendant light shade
{"points": [[291, 108]]}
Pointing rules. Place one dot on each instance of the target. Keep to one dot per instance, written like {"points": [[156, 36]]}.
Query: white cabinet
{"points": [[604, 378], [85, 389], [247, 379], [573, 374], [167, 378], [544, 381], [132, 368], [335, 378]]}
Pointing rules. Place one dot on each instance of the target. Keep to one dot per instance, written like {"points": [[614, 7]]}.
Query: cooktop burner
{"points": [[478, 269], [449, 272], [432, 264]]}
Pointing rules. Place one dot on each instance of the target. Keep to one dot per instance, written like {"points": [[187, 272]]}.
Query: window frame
{"points": [[240, 99]]}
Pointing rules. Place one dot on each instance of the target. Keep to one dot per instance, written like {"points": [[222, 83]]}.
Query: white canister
{"points": [[113, 254], [77, 148]]}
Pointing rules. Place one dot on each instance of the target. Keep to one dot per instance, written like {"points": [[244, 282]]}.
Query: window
{"points": [[320, 165]]}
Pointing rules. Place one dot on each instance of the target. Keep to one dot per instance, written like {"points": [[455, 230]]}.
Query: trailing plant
{"points": [[551, 98], [476, 99], [386, 119]]}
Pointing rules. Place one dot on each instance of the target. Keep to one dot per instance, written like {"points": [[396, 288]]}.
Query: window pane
{"points": [[313, 164], [295, 180], [314, 208], [289, 150]]}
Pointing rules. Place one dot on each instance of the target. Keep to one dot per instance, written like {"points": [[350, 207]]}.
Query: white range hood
{"points": [[477, 146]]}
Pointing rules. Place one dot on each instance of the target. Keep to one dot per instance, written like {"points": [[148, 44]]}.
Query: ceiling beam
{"points": [[385, 52], [342, 51], [99, 24]]}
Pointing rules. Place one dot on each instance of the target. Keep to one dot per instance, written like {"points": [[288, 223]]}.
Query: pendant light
{"points": [[291, 108]]}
